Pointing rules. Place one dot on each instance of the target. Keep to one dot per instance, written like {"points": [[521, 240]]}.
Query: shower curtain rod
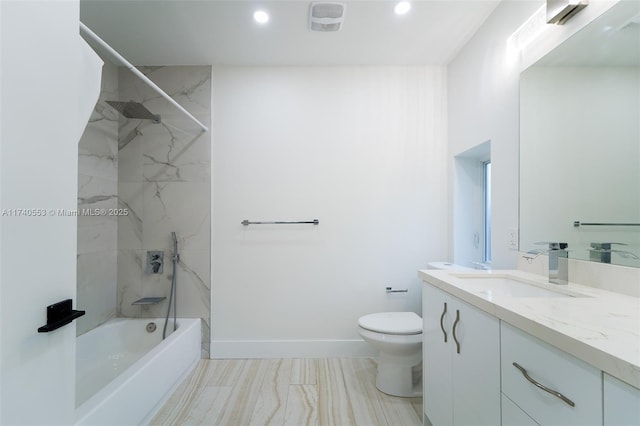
{"points": [[93, 36]]}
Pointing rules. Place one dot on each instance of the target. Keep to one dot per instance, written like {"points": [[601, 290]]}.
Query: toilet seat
{"points": [[392, 323]]}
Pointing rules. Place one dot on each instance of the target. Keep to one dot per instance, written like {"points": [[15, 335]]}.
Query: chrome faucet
{"points": [[558, 261], [601, 252]]}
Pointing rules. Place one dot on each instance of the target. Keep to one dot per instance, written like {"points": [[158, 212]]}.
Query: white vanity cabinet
{"points": [[621, 403], [461, 361], [574, 395]]}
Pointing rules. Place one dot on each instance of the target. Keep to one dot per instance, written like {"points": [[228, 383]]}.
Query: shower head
{"points": [[176, 255], [133, 109]]}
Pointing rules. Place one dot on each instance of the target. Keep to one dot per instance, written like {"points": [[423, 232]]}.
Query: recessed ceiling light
{"points": [[261, 17], [402, 8]]}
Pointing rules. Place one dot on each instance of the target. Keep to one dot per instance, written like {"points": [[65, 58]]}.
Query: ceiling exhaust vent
{"points": [[326, 16]]}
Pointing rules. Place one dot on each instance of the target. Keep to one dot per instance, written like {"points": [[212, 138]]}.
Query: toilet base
{"points": [[399, 378]]}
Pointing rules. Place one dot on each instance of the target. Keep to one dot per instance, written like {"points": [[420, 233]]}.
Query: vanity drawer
{"points": [[578, 382], [512, 415]]}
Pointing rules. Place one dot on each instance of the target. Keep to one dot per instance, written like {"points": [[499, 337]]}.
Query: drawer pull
{"points": [[543, 387], [455, 324], [444, 312]]}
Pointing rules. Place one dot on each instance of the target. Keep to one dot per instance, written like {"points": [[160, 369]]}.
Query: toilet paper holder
{"points": [[391, 290]]}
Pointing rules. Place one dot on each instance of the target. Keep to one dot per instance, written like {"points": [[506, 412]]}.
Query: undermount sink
{"points": [[514, 286]]}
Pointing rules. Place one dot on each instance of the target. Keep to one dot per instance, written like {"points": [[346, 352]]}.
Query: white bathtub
{"points": [[124, 372]]}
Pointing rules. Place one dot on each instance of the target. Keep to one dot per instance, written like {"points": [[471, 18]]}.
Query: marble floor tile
{"points": [[267, 392], [270, 406], [334, 404], [209, 406], [398, 411], [225, 372], [416, 403], [244, 394], [364, 397], [302, 406], [304, 371]]}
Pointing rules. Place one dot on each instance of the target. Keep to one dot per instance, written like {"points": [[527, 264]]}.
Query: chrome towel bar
{"points": [[247, 222], [577, 224]]}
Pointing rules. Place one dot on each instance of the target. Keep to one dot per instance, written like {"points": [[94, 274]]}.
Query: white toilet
{"points": [[398, 338]]}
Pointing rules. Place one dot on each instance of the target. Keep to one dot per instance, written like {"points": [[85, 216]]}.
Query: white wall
{"points": [[483, 99], [362, 149], [483, 105], [44, 110]]}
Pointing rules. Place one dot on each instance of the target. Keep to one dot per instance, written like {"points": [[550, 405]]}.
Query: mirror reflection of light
{"points": [[261, 17], [526, 33], [402, 8]]}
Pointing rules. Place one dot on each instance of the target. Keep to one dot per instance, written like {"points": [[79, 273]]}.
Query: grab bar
{"points": [[578, 224], [247, 222], [391, 290]]}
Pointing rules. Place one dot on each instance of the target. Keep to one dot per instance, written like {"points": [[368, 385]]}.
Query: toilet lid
{"points": [[392, 323]]}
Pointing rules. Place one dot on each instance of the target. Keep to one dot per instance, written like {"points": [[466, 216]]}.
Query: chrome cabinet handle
{"points": [[444, 312], [543, 387], [455, 323]]}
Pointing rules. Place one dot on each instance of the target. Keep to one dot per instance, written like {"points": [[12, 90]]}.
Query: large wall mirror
{"points": [[580, 142]]}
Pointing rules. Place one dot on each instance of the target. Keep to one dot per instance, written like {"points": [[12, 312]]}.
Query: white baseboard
{"points": [[230, 349]]}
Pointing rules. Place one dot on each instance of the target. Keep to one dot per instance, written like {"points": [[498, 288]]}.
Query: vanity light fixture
{"points": [[261, 17], [402, 8], [560, 11]]}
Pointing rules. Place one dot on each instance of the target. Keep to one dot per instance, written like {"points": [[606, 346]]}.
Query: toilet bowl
{"points": [[398, 338]]}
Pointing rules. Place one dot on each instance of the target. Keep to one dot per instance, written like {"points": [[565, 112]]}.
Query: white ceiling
{"points": [[202, 32]]}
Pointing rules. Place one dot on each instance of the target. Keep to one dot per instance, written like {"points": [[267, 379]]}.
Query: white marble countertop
{"points": [[602, 328]]}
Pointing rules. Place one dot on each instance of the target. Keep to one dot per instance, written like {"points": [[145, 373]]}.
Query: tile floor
{"points": [[299, 392]]}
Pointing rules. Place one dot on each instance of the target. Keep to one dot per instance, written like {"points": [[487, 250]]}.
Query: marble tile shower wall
{"points": [[164, 182], [97, 189]]}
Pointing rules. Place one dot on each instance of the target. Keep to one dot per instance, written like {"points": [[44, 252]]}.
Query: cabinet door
{"points": [[436, 352], [621, 403], [476, 368]]}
